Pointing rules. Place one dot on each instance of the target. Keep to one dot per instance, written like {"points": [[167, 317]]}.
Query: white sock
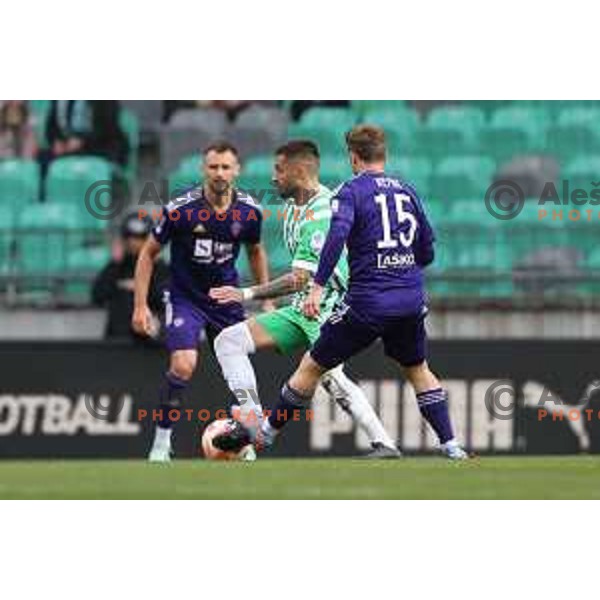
{"points": [[162, 437], [232, 347], [339, 386], [268, 429]]}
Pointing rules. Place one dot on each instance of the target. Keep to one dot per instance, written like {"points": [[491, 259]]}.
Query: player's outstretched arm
{"points": [[342, 220], [294, 281], [141, 320], [259, 264]]}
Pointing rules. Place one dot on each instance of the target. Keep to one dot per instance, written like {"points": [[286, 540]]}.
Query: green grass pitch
{"points": [[328, 478]]}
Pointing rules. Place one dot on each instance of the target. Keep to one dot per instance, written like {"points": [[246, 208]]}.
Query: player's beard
{"points": [[219, 188], [287, 192]]}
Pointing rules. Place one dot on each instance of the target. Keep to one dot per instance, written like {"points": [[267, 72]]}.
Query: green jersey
{"points": [[305, 229]]}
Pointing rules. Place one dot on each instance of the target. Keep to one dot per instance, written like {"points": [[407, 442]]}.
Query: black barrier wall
{"points": [[96, 400]]}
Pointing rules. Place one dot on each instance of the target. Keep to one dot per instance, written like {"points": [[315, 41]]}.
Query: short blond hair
{"points": [[367, 142]]}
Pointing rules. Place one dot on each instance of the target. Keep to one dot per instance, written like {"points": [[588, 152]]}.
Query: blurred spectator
{"points": [[86, 127], [231, 107], [113, 287], [299, 107], [17, 138]]}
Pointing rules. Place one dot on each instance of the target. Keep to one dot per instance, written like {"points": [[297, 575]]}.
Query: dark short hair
{"points": [[135, 226], [298, 149], [220, 147], [367, 142]]}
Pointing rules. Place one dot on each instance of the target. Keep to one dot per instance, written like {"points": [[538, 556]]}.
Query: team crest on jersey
{"points": [[335, 205], [317, 241], [236, 228]]}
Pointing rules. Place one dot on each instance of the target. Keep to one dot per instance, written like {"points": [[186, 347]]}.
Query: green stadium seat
{"points": [[45, 234], [258, 167], [456, 117], [555, 107], [449, 130], [414, 170], [591, 286], [325, 126], [7, 217], [186, 175], [363, 107], [7, 220], [19, 182], [193, 166], [255, 178], [529, 233], [90, 260], [130, 126], [474, 260], [593, 259], [278, 254], [513, 131], [335, 170], [471, 210], [460, 177], [582, 172], [577, 131], [399, 123], [328, 117], [437, 211], [488, 107], [579, 116], [69, 178], [550, 108], [82, 266], [582, 235]]}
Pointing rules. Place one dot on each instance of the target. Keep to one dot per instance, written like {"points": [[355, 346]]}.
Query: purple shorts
{"points": [[185, 320], [346, 333]]}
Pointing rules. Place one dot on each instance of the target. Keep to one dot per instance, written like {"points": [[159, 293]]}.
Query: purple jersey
{"points": [[204, 243], [389, 241]]}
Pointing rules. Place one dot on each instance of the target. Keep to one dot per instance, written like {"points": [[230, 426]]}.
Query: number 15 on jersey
{"points": [[406, 238]]}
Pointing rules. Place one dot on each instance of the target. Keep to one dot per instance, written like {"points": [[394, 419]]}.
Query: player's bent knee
{"points": [[310, 365], [419, 368], [183, 365]]}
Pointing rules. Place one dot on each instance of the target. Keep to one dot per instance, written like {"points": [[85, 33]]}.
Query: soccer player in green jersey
{"points": [[307, 218]]}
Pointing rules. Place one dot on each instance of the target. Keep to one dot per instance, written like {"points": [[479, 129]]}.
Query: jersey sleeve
{"points": [[342, 220], [425, 238], [313, 234], [163, 230], [253, 229]]}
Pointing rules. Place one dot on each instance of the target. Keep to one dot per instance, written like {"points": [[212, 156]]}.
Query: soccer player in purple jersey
{"points": [[381, 221], [205, 228]]}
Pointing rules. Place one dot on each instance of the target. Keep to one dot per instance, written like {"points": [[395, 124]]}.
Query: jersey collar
{"points": [[210, 207], [321, 191]]}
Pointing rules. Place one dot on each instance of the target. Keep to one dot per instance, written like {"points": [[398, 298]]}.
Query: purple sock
{"points": [[171, 398], [289, 401], [433, 405]]}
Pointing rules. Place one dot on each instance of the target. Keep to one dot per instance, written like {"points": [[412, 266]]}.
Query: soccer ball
{"points": [[227, 439]]}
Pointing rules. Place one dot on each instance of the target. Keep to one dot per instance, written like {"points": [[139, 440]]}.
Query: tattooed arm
{"points": [[294, 281]]}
